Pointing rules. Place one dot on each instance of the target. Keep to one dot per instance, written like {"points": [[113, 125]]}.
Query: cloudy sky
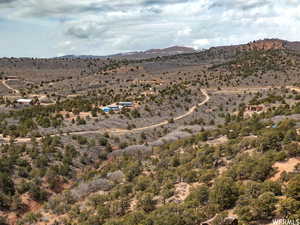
{"points": [[46, 28]]}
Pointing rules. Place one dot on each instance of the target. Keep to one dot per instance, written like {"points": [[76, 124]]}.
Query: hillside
{"points": [[210, 137]]}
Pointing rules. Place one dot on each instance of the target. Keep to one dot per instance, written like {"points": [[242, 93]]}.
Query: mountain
{"points": [[227, 51], [174, 50]]}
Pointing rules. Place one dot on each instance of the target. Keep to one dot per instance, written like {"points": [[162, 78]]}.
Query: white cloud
{"points": [[200, 43], [106, 26], [184, 32]]}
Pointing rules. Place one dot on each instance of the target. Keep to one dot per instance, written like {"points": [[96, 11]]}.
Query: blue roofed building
{"points": [[106, 109], [111, 108]]}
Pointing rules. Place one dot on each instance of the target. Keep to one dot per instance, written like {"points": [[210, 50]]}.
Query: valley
{"points": [[201, 137]]}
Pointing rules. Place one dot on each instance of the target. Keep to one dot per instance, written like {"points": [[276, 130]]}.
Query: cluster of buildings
{"points": [[114, 107], [250, 110], [117, 107]]}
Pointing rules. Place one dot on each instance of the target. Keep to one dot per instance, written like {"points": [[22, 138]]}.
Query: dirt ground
{"points": [[218, 141], [287, 166]]}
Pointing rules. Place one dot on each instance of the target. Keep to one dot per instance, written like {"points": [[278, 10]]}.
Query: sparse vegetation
{"points": [[176, 156]]}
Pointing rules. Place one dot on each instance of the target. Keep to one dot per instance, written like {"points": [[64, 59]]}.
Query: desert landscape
{"points": [[201, 137], [149, 112]]}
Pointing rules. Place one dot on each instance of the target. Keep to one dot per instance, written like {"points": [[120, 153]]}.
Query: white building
{"points": [[24, 101]]}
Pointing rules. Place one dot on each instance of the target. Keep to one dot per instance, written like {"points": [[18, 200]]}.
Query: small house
{"points": [[23, 101], [11, 78], [253, 108], [126, 104]]}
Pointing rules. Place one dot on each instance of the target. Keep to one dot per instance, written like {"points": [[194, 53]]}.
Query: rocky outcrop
{"points": [[97, 184], [117, 176], [132, 150], [263, 45]]}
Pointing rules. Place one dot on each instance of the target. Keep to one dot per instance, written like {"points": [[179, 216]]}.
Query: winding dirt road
{"points": [[191, 110], [120, 131], [124, 131], [9, 87], [241, 90], [250, 89]]}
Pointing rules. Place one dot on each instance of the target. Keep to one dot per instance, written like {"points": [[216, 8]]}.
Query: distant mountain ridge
{"points": [[174, 50]]}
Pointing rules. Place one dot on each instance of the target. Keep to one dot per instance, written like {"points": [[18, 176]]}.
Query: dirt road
{"points": [[293, 88], [250, 89], [9, 87], [189, 112], [121, 131], [241, 90]]}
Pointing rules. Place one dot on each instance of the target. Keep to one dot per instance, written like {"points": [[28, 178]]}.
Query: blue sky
{"points": [[47, 28]]}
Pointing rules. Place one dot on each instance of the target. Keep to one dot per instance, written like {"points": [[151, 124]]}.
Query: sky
{"points": [[49, 28]]}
